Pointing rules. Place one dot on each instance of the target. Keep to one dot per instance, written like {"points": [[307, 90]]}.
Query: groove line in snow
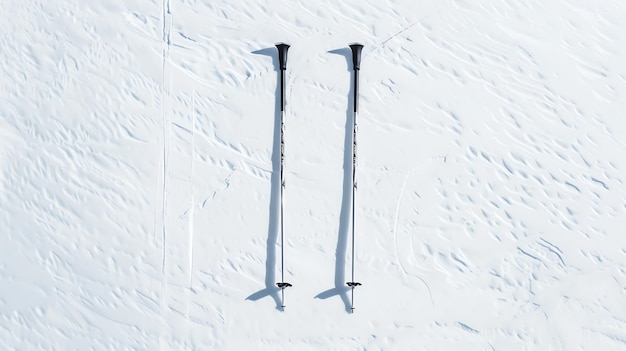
{"points": [[165, 119], [191, 211], [395, 236]]}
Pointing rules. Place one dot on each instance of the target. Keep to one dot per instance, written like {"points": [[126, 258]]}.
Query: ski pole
{"points": [[356, 63], [282, 59]]}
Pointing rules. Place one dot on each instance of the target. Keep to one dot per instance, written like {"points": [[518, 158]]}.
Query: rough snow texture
{"points": [[139, 175]]}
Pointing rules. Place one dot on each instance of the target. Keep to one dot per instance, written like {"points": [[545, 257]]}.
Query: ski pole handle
{"points": [[356, 55], [356, 64], [282, 60], [282, 55]]}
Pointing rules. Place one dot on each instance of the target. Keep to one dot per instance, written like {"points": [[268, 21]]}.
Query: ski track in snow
{"points": [[137, 175], [167, 20]]}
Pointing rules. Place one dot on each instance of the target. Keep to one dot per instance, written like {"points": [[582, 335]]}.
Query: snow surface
{"points": [[139, 175]]}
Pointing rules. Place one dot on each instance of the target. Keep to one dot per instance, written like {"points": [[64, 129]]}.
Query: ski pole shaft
{"points": [[282, 196], [354, 185]]}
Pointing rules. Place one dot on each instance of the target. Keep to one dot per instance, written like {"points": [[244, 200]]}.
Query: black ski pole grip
{"points": [[282, 60], [282, 55], [356, 63], [356, 56]]}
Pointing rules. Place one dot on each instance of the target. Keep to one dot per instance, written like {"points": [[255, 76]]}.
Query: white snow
{"points": [[139, 175]]}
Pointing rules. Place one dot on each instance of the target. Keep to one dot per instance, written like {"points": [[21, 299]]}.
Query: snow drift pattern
{"points": [[139, 175]]}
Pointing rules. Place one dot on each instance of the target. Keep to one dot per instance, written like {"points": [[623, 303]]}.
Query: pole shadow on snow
{"points": [[274, 211], [341, 251]]}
